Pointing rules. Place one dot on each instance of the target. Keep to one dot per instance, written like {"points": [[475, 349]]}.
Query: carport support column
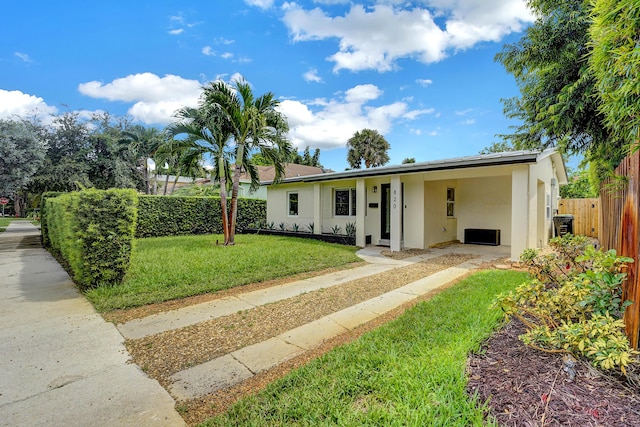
{"points": [[395, 205], [361, 210], [317, 209], [519, 211]]}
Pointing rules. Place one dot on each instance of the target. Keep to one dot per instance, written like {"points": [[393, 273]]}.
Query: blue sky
{"points": [[420, 72]]}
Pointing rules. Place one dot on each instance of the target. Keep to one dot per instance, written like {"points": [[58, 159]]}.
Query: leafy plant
{"points": [[350, 229], [574, 303], [336, 229], [295, 227], [311, 227], [271, 226], [282, 226]]}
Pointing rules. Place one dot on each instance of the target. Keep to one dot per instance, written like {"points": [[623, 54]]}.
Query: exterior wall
{"points": [[485, 203], [278, 205], [540, 192], [437, 227]]}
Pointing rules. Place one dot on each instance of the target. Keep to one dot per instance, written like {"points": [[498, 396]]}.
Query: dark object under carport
{"points": [[563, 224]]}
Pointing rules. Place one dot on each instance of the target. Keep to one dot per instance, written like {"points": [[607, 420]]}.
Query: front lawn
{"points": [[409, 372], [166, 268]]}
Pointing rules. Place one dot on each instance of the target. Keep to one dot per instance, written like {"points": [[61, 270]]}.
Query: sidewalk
{"points": [[61, 363]]}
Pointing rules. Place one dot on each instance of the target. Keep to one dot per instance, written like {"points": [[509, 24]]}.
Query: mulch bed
{"points": [[528, 387]]}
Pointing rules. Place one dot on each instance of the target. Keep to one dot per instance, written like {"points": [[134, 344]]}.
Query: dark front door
{"points": [[385, 212]]}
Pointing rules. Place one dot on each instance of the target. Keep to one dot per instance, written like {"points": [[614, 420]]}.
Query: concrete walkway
{"points": [[61, 364]]}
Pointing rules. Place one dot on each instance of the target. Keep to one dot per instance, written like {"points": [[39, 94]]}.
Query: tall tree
{"points": [[557, 106], [369, 146], [255, 125], [66, 166], [615, 64], [21, 154]]}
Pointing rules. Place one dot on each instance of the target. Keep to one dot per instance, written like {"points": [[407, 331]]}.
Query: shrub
{"points": [[92, 231], [44, 225], [574, 303], [175, 216]]}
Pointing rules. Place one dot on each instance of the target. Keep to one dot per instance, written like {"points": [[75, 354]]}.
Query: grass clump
{"points": [[410, 371], [166, 268]]}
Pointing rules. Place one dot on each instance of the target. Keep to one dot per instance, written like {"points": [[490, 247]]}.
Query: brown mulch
{"points": [[162, 355], [528, 387]]}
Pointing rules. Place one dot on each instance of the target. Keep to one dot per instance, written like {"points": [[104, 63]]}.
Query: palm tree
{"points": [[145, 143], [255, 126], [367, 145], [205, 134]]}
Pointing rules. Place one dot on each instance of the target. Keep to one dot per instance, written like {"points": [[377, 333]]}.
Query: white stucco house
{"points": [[505, 199]]}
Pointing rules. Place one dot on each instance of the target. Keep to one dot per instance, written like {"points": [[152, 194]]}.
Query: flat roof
{"points": [[493, 159]]}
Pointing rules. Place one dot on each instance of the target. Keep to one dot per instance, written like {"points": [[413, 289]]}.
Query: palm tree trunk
{"points": [[175, 181], [223, 203], [166, 184], [234, 193]]}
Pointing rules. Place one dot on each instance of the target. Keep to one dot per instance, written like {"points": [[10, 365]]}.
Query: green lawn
{"points": [[167, 268], [409, 372]]}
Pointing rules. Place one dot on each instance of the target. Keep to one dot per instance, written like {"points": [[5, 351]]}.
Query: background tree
{"points": [[497, 147], [144, 144], [66, 166], [580, 185], [367, 146], [557, 105], [409, 160], [22, 151], [615, 64], [255, 126]]}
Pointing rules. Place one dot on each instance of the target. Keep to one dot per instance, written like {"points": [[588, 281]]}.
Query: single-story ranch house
{"points": [[503, 199]]}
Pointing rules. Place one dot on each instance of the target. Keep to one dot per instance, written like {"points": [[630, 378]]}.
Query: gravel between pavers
{"points": [[164, 354]]}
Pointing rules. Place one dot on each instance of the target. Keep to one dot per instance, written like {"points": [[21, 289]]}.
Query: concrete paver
{"points": [[61, 363]]}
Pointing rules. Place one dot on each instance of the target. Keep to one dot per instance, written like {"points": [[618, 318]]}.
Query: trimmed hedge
{"points": [[44, 223], [175, 216], [93, 232]]}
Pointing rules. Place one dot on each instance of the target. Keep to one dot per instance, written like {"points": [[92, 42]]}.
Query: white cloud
{"points": [[424, 82], [329, 123], [469, 122], [208, 51], [155, 98], [263, 4], [312, 76], [14, 104], [376, 37], [24, 57], [176, 31]]}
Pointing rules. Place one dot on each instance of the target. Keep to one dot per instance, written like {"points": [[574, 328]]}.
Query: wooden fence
{"points": [[619, 207], [586, 215]]}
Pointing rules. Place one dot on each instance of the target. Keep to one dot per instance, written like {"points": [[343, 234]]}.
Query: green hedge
{"points": [[93, 232], [173, 216], [44, 223]]}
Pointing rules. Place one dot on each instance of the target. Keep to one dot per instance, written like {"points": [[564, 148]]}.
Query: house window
{"points": [[293, 204], [345, 202], [451, 202], [548, 206]]}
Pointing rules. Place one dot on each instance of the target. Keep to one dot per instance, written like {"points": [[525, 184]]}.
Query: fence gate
{"points": [[586, 215]]}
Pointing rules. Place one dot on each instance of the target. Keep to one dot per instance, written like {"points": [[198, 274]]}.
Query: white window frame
{"points": [[451, 202], [297, 202], [351, 208]]}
